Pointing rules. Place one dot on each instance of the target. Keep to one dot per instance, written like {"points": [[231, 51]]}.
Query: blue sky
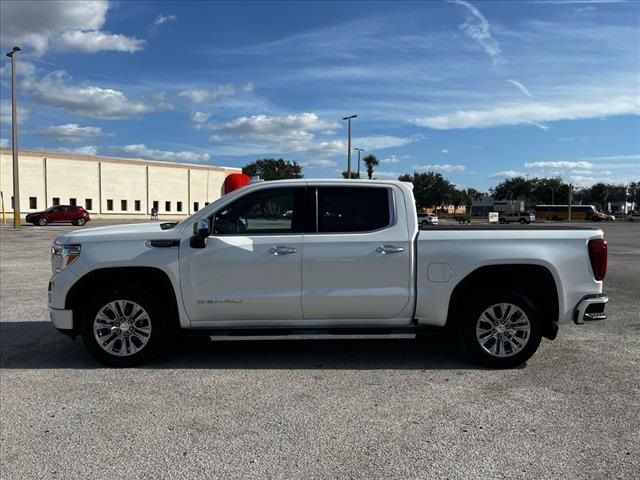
{"points": [[479, 91]]}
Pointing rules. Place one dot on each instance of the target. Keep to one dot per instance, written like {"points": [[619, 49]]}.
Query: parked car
{"points": [[426, 219], [633, 217], [609, 218], [520, 217], [350, 259], [60, 214]]}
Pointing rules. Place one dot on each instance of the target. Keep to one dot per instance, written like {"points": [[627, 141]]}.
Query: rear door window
{"points": [[353, 209]]}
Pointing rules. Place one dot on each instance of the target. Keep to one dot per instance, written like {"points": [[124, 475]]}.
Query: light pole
{"points": [[348, 119], [358, 150], [14, 139]]}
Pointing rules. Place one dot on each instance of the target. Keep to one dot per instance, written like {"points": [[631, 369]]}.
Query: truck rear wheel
{"points": [[123, 326], [500, 329]]}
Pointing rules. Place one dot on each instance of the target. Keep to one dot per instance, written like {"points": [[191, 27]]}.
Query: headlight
{"points": [[63, 255]]}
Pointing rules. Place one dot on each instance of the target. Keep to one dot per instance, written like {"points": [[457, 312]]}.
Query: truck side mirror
{"points": [[200, 234]]}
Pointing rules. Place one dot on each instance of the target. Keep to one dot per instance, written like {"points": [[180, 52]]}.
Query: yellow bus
{"points": [[561, 212]]}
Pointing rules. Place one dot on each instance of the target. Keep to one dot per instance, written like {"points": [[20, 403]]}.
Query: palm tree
{"points": [[370, 161]]}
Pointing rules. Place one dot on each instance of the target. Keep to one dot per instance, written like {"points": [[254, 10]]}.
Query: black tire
{"points": [[522, 221], [425, 224], [157, 324], [80, 222], [42, 221], [469, 321]]}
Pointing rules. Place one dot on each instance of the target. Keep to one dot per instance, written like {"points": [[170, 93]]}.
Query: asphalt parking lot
{"points": [[316, 408]]}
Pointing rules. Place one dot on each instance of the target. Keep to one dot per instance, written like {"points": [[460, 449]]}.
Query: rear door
{"points": [[358, 262]]}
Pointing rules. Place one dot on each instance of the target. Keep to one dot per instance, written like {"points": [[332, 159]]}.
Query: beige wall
{"points": [[121, 181], [49, 175], [67, 179]]}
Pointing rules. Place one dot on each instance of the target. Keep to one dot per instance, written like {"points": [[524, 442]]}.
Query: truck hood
{"points": [[137, 231]]}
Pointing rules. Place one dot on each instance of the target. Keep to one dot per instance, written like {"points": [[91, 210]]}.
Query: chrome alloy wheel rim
{"points": [[122, 328], [503, 330]]}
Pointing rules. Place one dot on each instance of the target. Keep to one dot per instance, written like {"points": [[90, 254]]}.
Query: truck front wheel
{"points": [[500, 329], [123, 326]]}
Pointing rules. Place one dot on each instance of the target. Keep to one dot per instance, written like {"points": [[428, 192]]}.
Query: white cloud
{"points": [[561, 165], [391, 159], [56, 90], [541, 126], [380, 142], [142, 151], [517, 114], [617, 157], [386, 175], [444, 150], [24, 68], [4, 143], [160, 19], [37, 25], [290, 133], [202, 95], [200, 117], [5, 112], [96, 41], [71, 132], [89, 150], [521, 87], [477, 28], [319, 163], [588, 180], [444, 168], [507, 174]]}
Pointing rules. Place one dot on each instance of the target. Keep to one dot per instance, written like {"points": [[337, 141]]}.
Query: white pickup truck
{"points": [[331, 256]]}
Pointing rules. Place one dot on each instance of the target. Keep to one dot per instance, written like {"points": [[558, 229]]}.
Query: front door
{"points": [[358, 265], [250, 268]]}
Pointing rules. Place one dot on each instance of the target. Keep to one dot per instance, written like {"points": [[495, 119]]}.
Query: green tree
{"points": [[633, 193], [370, 161], [456, 197], [600, 193], [548, 191], [273, 169], [345, 174], [470, 195], [512, 189], [430, 189]]}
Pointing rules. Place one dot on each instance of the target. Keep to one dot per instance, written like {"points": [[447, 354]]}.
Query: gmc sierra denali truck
{"points": [[332, 256]]}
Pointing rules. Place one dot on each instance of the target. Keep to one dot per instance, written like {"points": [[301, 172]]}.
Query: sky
{"points": [[478, 91]]}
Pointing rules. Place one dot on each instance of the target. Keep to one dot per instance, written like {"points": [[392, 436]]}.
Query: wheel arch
{"points": [[153, 280], [534, 281]]}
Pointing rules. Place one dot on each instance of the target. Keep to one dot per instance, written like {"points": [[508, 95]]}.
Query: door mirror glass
{"points": [[200, 234]]}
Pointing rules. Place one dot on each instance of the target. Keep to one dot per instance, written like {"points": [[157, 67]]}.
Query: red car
{"points": [[60, 213]]}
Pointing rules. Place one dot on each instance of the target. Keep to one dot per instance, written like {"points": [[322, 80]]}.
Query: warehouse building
{"points": [[110, 187]]}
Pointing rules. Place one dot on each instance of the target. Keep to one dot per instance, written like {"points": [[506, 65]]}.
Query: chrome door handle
{"points": [[387, 249], [281, 250]]}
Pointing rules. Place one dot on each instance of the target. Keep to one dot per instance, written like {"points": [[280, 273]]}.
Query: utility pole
{"points": [[348, 119], [358, 150], [570, 200], [14, 139]]}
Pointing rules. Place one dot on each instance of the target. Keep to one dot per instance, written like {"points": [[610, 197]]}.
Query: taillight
{"points": [[598, 257]]}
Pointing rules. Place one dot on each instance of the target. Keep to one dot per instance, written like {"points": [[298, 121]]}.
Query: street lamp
{"points": [[14, 139], [358, 150], [348, 119]]}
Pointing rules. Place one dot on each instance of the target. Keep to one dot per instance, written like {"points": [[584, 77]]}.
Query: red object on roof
{"points": [[235, 181]]}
